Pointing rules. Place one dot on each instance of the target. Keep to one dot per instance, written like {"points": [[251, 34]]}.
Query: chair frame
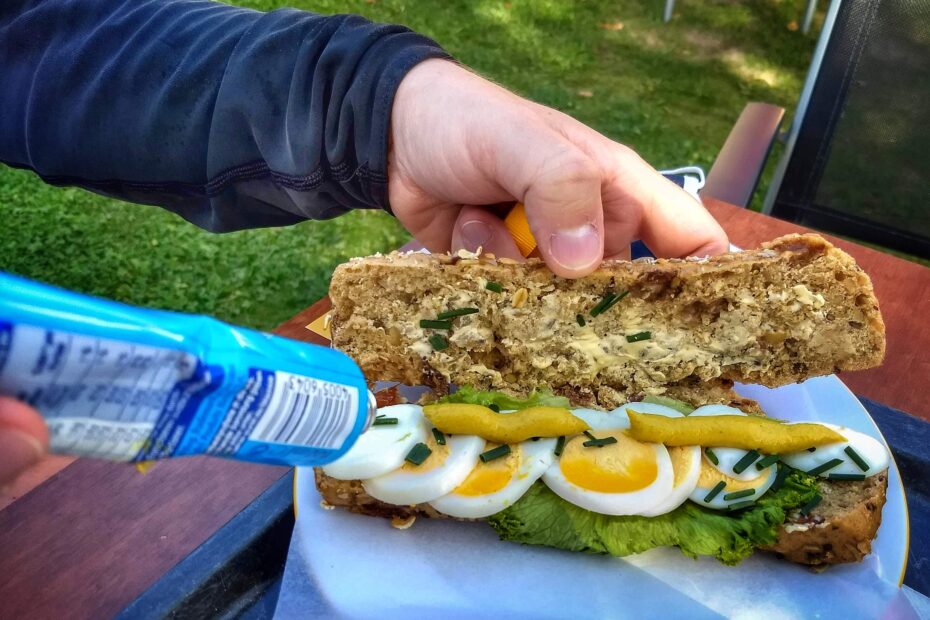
{"points": [[791, 194]]}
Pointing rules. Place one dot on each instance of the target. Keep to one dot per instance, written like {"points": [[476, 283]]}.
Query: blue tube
{"points": [[130, 384]]}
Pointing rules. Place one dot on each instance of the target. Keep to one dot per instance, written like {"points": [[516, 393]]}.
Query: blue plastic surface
{"points": [[128, 383]]}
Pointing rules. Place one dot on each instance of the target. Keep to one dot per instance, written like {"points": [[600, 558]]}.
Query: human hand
{"points": [[23, 438], [459, 141]]}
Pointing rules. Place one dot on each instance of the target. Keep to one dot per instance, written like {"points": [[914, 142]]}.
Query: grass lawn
{"points": [[672, 91]]}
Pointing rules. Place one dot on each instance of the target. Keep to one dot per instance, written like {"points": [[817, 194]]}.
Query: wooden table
{"points": [[86, 541]]}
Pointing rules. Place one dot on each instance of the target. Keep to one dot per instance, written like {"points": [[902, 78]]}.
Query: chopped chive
{"points": [[638, 337], [451, 314], [494, 407], [767, 461], [439, 437], [806, 508], [439, 342], [494, 453], [580, 320], [614, 301], [494, 286], [418, 454], [783, 472], [382, 421], [711, 456], [430, 324], [856, 458], [560, 445], [825, 467], [846, 476], [814, 449], [740, 505], [748, 459], [599, 443], [608, 302], [599, 306], [714, 492], [739, 494], [589, 435]]}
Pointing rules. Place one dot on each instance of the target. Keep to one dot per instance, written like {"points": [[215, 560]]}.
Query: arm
{"points": [[229, 117]]}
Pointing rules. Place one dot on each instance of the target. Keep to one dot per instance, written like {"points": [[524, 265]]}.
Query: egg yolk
{"points": [[681, 463], [436, 458], [491, 477], [621, 467], [710, 476]]}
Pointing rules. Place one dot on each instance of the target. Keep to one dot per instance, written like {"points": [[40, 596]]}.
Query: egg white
{"points": [[535, 458], [727, 457], [682, 491], [765, 478], [381, 449], [869, 448], [413, 486], [603, 420]]}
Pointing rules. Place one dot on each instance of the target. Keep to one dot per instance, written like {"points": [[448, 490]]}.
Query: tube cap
{"points": [[519, 229]]}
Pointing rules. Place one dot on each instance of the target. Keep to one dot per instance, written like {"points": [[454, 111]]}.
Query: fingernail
{"points": [[17, 452], [576, 248], [475, 234]]}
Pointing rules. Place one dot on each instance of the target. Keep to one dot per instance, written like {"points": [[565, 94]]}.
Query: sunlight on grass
{"points": [[752, 68]]}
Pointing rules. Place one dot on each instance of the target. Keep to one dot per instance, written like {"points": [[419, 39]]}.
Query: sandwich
{"points": [[598, 415]]}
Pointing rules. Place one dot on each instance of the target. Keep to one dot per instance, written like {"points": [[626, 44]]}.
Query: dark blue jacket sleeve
{"points": [[229, 117]]}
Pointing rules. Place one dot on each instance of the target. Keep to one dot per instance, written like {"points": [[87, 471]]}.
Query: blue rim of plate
{"points": [[907, 516]]}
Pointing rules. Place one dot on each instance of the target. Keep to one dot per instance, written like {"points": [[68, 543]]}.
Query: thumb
{"points": [[23, 438], [563, 207]]}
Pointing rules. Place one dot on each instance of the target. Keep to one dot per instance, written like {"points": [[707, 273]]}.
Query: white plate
{"points": [[363, 568]]}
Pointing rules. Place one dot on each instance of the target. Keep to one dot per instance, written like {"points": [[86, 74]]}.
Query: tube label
{"points": [[132, 384]]}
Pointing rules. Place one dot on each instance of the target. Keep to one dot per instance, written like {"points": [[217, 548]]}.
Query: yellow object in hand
{"points": [[732, 431], [514, 427], [519, 228]]}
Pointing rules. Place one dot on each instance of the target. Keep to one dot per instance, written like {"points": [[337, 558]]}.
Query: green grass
{"points": [[672, 91]]}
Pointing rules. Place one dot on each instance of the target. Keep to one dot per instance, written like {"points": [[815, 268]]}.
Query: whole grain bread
{"points": [[839, 530], [795, 308]]}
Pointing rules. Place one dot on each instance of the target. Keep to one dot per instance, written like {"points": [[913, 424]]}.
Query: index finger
{"points": [[672, 223]]}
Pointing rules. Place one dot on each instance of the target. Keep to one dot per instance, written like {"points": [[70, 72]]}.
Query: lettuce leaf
{"points": [[541, 517], [504, 402], [678, 405]]}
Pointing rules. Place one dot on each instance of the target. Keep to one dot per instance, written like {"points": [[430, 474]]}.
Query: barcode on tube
{"points": [[307, 412]]}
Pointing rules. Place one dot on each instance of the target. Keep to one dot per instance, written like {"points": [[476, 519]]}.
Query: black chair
{"points": [[857, 156]]}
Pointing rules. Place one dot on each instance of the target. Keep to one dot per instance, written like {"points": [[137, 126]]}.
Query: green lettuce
{"points": [[541, 517], [505, 402], [678, 405]]}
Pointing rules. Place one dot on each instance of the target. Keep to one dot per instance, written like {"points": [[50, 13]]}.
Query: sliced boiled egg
{"points": [[626, 477], [734, 491], [493, 485], [736, 485], [727, 458], [382, 447], [686, 464], [871, 453], [443, 470]]}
